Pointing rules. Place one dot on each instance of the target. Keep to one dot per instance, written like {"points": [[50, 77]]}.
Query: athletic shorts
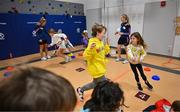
{"points": [[123, 41], [42, 42]]}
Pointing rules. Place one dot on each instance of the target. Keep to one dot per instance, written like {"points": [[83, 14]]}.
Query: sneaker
{"points": [[80, 94], [125, 61], [149, 85], [119, 59], [43, 58], [69, 59], [139, 86], [48, 57]]}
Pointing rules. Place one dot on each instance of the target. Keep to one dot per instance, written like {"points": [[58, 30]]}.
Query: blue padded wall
{"points": [[16, 32]]}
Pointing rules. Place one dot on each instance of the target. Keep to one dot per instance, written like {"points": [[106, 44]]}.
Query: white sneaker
{"points": [[43, 58], [118, 59], [125, 61], [66, 59], [48, 57], [70, 59], [80, 94]]}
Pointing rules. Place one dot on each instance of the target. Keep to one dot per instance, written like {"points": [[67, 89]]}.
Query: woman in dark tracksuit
{"points": [[42, 36], [124, 32]]}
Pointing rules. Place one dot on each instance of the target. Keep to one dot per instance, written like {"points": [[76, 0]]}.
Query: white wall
{"points": [[158, 30], [91, 19], [109, 15]]}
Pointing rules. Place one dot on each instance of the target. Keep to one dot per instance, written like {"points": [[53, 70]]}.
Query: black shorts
{"points": [[123, 41], [42, 42]]}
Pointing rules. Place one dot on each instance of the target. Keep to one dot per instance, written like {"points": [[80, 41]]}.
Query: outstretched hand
{"points": [[118, 33]]}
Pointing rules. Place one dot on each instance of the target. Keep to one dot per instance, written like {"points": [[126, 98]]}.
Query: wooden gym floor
{"points": [[167, 87]]}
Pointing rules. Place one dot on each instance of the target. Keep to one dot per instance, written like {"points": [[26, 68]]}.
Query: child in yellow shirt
{"points": [[96, 61]]}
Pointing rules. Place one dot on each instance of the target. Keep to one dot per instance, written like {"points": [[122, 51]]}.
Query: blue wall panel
{"points": [[17, 31]]}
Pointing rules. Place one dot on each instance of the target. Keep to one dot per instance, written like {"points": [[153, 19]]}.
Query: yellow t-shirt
{"points": [[96, 57]]}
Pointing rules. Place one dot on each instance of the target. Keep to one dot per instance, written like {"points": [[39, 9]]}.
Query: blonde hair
{"points": [[126, 17], [42, 20]]}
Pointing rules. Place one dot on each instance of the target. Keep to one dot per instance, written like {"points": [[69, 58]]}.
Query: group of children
{"points": [[95, 55], [96, 50], [58, 39], [36, 89]]}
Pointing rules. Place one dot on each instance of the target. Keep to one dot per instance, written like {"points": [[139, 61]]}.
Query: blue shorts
{"points": [[123, 41]]}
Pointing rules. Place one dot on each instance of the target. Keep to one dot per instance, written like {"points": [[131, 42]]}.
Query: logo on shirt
{"points": [[2, 36], [124, 27]]}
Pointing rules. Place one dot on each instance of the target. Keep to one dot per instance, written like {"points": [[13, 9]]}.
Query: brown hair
{"points": [[140, 39], [35, 89], [51, 30], [126, 17], [97, 28], [106, 96], [176, 106]]}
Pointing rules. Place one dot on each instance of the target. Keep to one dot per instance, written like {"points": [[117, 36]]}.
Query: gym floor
{"points": [[167, 69]]}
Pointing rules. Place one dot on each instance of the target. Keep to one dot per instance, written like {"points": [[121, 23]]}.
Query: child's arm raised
{"points": [[90, 51]]}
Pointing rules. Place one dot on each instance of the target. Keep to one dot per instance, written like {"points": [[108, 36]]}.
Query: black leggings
{"points": [[139, 66]]}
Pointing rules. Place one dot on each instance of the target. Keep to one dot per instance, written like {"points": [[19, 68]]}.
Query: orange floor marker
{"points": [[147, 69]]}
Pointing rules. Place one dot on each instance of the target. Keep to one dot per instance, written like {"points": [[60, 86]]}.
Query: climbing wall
{"points": [[41, 7]]}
